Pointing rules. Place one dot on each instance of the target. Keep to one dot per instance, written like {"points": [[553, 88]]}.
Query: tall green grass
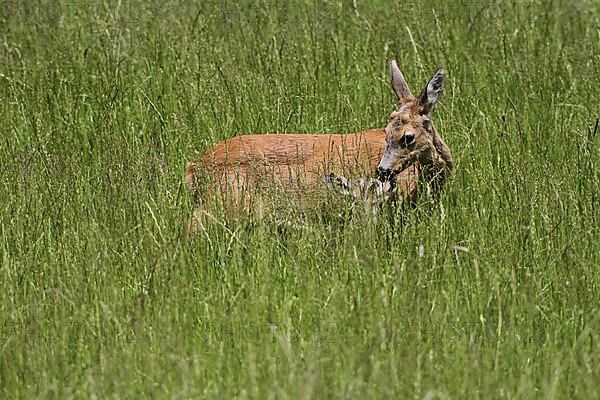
{"points": [[104, 102]]}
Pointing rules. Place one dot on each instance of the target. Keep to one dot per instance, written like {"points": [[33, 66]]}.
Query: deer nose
{"points": [[385, 174]]}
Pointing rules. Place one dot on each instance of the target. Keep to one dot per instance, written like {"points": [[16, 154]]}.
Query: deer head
{"points": [[371, 192], [410, 135]]}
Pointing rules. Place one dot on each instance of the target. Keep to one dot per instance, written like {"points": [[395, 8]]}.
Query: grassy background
{"points": [[104, 102]]}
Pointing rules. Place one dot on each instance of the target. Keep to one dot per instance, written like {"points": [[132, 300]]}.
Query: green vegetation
{"points": [[104, 102]]}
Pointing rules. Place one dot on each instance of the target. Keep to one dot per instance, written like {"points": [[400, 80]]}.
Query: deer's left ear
{"points": [[432, 93]]}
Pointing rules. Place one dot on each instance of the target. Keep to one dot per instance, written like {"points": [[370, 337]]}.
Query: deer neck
{"points": [[439, 165]]}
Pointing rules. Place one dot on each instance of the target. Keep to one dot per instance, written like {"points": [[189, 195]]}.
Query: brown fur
{"points": [[294, 161]]}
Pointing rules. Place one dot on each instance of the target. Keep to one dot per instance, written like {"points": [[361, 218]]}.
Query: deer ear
{"points": [[336, 183], [399, 84], [432, 93], [388, 189]]}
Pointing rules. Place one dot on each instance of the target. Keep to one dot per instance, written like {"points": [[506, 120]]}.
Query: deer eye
{"points": [[407, 140]]}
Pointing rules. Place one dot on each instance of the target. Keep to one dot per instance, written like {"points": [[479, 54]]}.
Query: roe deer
{"points": [[405, 151], [368, 192]]}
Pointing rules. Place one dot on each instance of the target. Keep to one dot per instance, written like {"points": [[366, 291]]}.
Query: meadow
{"points": [[104, 102]]}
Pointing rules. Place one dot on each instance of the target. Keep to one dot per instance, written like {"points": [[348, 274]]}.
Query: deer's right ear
{"points": [[336, 183], [399, 84], [388, 190]]}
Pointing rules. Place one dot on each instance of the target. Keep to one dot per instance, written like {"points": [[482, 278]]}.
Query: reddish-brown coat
{"points": [[292, 161]]}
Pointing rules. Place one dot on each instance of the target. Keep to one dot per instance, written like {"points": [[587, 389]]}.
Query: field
{"points": [[103, 103]]}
